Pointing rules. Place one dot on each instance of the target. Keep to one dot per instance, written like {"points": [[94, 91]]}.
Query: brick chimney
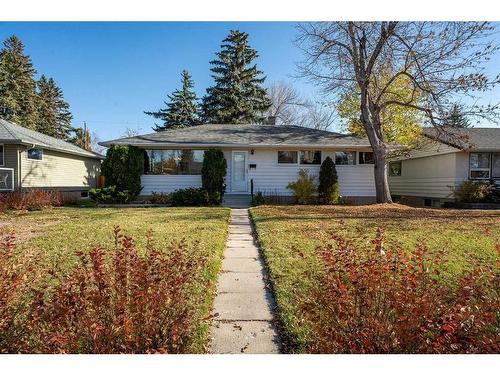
{"points": [[271, 120]]}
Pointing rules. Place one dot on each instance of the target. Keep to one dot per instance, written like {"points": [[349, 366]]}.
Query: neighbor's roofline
{"points": [[64, 151]]}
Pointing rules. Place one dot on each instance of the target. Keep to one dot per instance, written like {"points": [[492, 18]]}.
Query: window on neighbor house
{"points": [[35, 154], [395, 168], [345, 157], [479, 163], [495, 166], [366, 158], [2, 161], [287, 157], [310, 157], [173, 162]]}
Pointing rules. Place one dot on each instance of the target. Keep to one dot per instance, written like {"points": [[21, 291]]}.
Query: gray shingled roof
{"points": [[242, 135], [15, 134], [478, 139]]}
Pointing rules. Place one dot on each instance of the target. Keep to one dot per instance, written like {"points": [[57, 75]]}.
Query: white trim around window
{"points": [[480, 171], [35, 159]]}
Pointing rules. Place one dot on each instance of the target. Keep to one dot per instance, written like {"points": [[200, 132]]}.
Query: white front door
{"points": [[239, 172]]}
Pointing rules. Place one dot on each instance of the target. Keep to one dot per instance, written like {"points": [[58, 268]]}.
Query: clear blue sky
{"points": [[111, 72]]}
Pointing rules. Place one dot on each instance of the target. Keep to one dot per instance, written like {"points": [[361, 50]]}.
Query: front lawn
{"points": [[289, 236], [58, 234]]}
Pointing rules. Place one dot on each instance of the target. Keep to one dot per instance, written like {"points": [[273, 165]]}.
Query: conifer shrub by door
{"points": [[213, 172], [328, 189], [123, 168]]}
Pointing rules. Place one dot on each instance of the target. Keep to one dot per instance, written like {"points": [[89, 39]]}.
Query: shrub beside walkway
{"points": [[243, 306]]}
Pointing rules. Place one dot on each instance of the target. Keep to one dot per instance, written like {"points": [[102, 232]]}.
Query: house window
{"points": [[173, 162], [366, 158], [2, 157], [479, 163], [310, 157], [495, 166], [287, 157], [35, 154], [345, 157], [395, 168]]}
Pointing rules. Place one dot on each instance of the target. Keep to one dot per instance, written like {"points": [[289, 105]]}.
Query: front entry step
{"points": [[237, 200]]}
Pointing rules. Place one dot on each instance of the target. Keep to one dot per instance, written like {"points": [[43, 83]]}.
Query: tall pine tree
{"points": [[456, 118], [54, 117], [17, 85], [237, 96], [182, 108]]}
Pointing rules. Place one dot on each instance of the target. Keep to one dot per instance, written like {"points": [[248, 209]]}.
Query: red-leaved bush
{"points": [[119, 301], [390, 301], [30, 200]]}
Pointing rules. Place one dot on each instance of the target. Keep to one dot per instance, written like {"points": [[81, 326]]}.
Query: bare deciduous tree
{"points": [[288, 105], [440, 61]]}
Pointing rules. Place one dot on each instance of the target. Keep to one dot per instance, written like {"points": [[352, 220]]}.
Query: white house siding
{"points": [[59, 170], [430, 177], [271, 177]]}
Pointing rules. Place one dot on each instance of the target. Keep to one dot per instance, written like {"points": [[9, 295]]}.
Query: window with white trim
{"points": [[479, 165], [366, 158], [35, 154], [495, 166], [345, 157], [288, 157], [310, 157], [2, 157]]}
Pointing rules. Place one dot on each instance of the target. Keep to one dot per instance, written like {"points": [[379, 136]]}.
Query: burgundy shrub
{"points": [[391, 301]]}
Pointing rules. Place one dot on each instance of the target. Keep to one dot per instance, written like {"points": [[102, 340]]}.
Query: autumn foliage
{"points": [[119, 301], [390, 301], [31, 200]]}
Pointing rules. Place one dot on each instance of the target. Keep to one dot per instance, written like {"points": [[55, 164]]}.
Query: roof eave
{"points": [[231, 145], [26, 143]]}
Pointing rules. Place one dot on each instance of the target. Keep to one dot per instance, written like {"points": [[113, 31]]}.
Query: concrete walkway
{"points": [[243, 305]]}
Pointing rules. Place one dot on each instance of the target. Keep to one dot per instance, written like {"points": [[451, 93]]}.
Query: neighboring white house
{"points": [[32, 160], [263, 157], [448, 157]]}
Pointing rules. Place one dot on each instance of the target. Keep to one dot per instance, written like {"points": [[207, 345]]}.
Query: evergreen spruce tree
{"points": [[328, 189], [54, 117], [17, 85], [182, 108], [237, 96], [456, 118]]}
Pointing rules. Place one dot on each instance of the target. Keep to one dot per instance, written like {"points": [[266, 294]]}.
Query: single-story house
{"points": [[260, 158], [32, 160], [447, 157]]}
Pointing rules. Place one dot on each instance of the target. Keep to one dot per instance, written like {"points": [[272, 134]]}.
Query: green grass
{"points": [[58, 233], [468, 237]]}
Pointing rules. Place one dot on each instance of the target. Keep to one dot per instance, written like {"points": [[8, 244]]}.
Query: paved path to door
{"points": [[243, 305]]}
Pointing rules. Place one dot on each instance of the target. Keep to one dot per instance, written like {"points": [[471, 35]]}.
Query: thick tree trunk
{"points": [[380, 173]]}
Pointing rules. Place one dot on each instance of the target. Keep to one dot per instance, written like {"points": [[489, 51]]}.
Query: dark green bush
{"points": [[328, 189], [213, 171], [190, 197], [123, 168], [110, 194]]}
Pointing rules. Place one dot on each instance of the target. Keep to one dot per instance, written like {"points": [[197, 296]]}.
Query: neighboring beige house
{"points": [[32, 160], [260, 158], [447, 158]]}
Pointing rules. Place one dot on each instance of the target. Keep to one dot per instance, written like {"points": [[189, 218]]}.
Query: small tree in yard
{"points": [[213, 171], [123, 168], [328, 189], [435, 62]]}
